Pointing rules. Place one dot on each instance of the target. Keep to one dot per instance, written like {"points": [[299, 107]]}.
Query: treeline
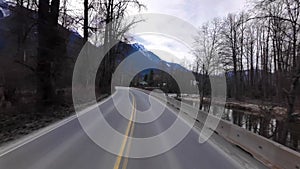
{"points": [[258, 49], [151, 79]]}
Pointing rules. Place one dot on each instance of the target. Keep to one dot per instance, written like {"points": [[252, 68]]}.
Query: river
{"points": [[273, 128]]}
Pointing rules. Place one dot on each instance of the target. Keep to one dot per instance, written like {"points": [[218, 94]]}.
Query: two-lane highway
{"points": [[69, 147]]}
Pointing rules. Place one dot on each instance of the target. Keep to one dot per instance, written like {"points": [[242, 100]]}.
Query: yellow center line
{"points": [[129, 127], [130, 140]]}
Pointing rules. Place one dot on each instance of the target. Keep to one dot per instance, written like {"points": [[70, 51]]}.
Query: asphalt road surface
{"points": [[69, 147]]}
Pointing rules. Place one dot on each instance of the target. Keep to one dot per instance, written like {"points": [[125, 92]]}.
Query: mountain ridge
{"points": [[155, 58]]}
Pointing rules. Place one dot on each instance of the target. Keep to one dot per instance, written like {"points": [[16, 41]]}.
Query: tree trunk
{"points": [[86, 20], [54, 9], [49, 42]]}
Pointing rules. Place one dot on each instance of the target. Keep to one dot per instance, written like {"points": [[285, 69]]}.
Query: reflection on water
{"points": [[266, 125]]}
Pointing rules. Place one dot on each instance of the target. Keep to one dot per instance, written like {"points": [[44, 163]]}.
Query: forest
{"points": [[258, 49]]}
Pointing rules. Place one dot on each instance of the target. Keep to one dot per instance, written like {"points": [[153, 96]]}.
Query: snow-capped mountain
{"points": [[156, 59]]}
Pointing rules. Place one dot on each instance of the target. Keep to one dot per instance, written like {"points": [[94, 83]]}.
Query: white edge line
{"points": [[41, 132]]}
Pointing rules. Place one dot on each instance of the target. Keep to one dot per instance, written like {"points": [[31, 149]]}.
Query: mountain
{"points": [[156, 59]]}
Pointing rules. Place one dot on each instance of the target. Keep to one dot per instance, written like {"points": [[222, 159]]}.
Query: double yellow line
{"points": [[126, 144]]}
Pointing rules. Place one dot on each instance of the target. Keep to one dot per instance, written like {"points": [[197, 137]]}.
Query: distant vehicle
{"points": [[4, 9]]}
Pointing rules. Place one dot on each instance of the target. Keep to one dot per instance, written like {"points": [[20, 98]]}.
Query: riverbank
{"points": [[266, 119], [255, 107]]}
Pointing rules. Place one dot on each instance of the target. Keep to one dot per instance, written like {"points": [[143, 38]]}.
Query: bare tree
{"points": [[206, 53], [229, 49], [286, 22], [112, 13]]}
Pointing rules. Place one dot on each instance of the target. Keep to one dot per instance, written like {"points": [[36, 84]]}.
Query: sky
{"points": [[195, 12]]}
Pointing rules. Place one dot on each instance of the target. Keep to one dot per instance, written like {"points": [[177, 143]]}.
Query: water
{"points": [[273, 128]]}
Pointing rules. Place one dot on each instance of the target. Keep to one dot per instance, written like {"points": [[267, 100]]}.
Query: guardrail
{"points": [[267, 151]]}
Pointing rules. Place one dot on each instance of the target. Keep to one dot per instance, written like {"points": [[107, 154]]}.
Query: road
{"points": [[69, 147]]}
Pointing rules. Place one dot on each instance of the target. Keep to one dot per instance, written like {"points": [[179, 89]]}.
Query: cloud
{"points": [[166, 48], [195, 12]]}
